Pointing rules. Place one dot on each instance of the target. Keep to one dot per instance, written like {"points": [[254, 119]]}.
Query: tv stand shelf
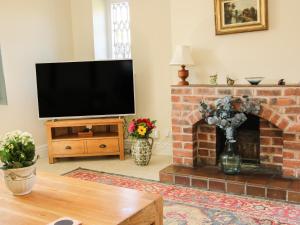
{"points": [[107, 138]]}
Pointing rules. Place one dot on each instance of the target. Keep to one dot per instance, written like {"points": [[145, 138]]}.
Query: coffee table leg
{"points": [[150, 215], [159, 211]]}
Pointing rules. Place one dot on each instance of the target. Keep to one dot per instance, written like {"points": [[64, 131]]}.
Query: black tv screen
{"points": [[84, 89]]}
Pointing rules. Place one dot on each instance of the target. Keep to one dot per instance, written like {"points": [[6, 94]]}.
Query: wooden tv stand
{"points": [[65, 138]]}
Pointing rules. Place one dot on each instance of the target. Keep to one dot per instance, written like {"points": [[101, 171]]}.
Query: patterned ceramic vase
{"points": [[141, 151]]}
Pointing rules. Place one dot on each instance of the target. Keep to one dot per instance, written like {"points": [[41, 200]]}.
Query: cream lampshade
{"points": [[182, 57]]}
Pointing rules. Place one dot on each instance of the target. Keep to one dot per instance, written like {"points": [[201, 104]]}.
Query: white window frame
{"points": [[109, 27]]}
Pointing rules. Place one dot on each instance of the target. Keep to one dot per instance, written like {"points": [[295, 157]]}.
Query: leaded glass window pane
{"points": [[120, 23]]}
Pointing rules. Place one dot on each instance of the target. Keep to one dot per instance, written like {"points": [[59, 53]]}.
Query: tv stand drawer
{"points": [[68, 147], [102, 145]]}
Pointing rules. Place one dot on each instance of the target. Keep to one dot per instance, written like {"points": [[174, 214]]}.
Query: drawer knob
{"points": [[102, 146], [68, 147]]}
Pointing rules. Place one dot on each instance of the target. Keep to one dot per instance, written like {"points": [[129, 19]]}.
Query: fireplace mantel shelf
{"points": [[238, 85]]}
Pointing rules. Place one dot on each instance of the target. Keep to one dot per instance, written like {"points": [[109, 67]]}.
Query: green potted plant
{"points": [[17, 153], [141, 149]]}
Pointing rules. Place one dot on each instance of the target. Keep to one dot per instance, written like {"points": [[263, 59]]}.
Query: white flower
{"points": [[211, 120], [224, 123], [6, 142]]}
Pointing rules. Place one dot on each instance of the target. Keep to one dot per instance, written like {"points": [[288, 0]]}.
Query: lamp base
{"points": [[183, 83], [183, 74]]}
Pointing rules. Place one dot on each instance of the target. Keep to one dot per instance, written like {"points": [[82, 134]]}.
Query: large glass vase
{"points": [[230, 161]]}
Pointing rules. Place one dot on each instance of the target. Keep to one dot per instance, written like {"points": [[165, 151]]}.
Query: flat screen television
{"points": [[85, 89]]}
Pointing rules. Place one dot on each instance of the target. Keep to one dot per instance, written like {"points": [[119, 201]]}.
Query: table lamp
{"points": [[182, 57]]}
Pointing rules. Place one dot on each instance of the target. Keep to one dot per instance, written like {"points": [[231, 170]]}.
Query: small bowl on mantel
{"points": [[254, 80]]}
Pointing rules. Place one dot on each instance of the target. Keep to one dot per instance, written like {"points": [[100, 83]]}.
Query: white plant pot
{"points": [[20, 181]]}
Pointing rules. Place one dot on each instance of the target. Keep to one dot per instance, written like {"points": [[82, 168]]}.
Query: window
{"points": [[120, 29], [3, 100]]}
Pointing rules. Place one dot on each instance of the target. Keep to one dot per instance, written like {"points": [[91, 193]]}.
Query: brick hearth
{"points": [[194, 142], [250, 184]]}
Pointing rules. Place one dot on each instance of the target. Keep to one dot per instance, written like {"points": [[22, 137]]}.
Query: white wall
{"points": [[151, 53], [273, 54], [82, 29], [31, 31], [100, 29], [89, 30]]}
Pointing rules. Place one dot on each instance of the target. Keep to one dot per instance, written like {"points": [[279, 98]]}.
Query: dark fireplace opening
{"points": [[248, 141]]}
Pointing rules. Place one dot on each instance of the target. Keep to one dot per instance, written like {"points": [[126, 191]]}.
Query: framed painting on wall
{"points": [[236, 16]]}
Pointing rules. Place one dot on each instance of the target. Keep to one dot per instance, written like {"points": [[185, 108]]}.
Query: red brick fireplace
{"points": [[194, 142]]}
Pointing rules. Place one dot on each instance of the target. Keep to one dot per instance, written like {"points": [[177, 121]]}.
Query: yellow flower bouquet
{"points": [[141, 128]]}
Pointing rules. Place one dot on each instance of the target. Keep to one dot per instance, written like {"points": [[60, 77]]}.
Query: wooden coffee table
{"points": [[89, 202]]}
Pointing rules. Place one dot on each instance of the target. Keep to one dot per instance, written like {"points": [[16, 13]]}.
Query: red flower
{"points": [[131, 127]]}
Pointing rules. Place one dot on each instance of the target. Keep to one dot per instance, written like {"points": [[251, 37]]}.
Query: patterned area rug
{"points": [[189, 206]]}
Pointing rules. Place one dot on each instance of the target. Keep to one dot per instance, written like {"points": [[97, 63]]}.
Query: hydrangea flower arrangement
{"points": [[17, 150], [141, 128], [229, 113]]}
